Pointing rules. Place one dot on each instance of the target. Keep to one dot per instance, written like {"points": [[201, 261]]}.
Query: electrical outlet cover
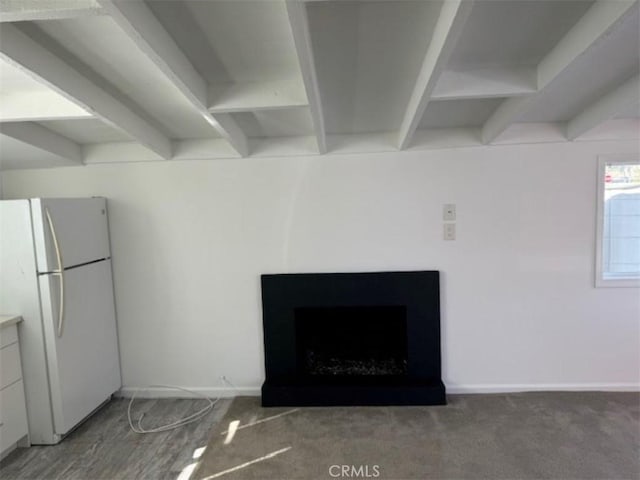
{"points": [[449, 231]]}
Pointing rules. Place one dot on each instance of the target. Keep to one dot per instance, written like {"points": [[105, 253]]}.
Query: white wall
{"points": [[520, 310]]}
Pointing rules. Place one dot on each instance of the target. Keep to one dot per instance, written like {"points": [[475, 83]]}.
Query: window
{"points": [[618, 231]]}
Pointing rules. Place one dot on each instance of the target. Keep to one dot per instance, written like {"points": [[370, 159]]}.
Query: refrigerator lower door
{"points": [[83, 364]]}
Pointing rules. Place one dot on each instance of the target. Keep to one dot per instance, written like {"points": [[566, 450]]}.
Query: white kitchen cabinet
{"points": [[14, 431]]}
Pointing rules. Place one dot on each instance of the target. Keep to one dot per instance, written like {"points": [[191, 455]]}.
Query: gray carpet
{"points": [[507, 436]]}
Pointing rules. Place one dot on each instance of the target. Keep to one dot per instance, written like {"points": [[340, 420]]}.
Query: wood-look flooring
{"points": [[104, 447]]}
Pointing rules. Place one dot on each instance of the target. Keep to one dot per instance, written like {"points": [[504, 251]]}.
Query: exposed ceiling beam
{"points": [[255, 96], [604, 108], [33, 10], [485, 83], [453, 16], [185, 149], [43, 139], [24, 106], [614, 129], [507, 113], [42, 65], [596, 23], [141, 25], [299, 22]]}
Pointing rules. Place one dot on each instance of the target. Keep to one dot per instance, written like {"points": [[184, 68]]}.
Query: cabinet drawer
{"points": [[10, 370], [13, 415], [8, 335]]}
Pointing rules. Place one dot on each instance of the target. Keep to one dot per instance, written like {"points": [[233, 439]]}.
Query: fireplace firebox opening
{"points": [[351, 341]]}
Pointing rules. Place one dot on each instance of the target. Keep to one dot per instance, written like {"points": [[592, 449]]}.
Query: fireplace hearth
{"points": [[352, 339]]}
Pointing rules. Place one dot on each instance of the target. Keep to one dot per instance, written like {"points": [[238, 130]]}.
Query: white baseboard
{"points": [[167, 392], [229, 392], [543, 387]]}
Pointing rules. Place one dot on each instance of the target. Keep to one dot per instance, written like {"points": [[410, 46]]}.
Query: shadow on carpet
{"points": [[581, 435]]}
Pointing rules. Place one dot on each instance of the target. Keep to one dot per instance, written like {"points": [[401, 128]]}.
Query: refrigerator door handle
{"points": [[59, 272]]}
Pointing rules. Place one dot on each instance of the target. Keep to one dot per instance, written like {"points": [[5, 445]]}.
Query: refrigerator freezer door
{"points": [[80, 226], [83, 364]]}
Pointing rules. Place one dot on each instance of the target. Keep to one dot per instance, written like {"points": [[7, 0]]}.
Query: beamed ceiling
{"points": [[93, 81]]}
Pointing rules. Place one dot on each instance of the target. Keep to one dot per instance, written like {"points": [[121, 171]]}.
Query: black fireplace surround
{"points": [[352, 339]]}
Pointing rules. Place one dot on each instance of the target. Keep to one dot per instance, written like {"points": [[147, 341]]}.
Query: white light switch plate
{"points": [[449, 212], [449, 231]]}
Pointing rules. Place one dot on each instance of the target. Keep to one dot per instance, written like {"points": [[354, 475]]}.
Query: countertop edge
{"points": [[8, 320]]}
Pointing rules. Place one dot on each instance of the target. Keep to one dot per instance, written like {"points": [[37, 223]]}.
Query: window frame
{"points": [[603, 161]]}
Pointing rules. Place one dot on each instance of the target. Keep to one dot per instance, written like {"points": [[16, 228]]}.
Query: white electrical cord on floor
{"points": [[228, 382], [178, 423]]}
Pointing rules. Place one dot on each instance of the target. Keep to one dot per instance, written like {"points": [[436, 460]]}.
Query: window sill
{"points": [[618, 282]]}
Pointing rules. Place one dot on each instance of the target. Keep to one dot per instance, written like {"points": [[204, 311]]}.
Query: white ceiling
{"points": [[590, 77], [367, 56], [85, 81], [515, 32], [471, 112]]}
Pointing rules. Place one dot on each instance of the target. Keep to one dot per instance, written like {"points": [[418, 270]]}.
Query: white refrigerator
{"points": [[55, 271]]}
